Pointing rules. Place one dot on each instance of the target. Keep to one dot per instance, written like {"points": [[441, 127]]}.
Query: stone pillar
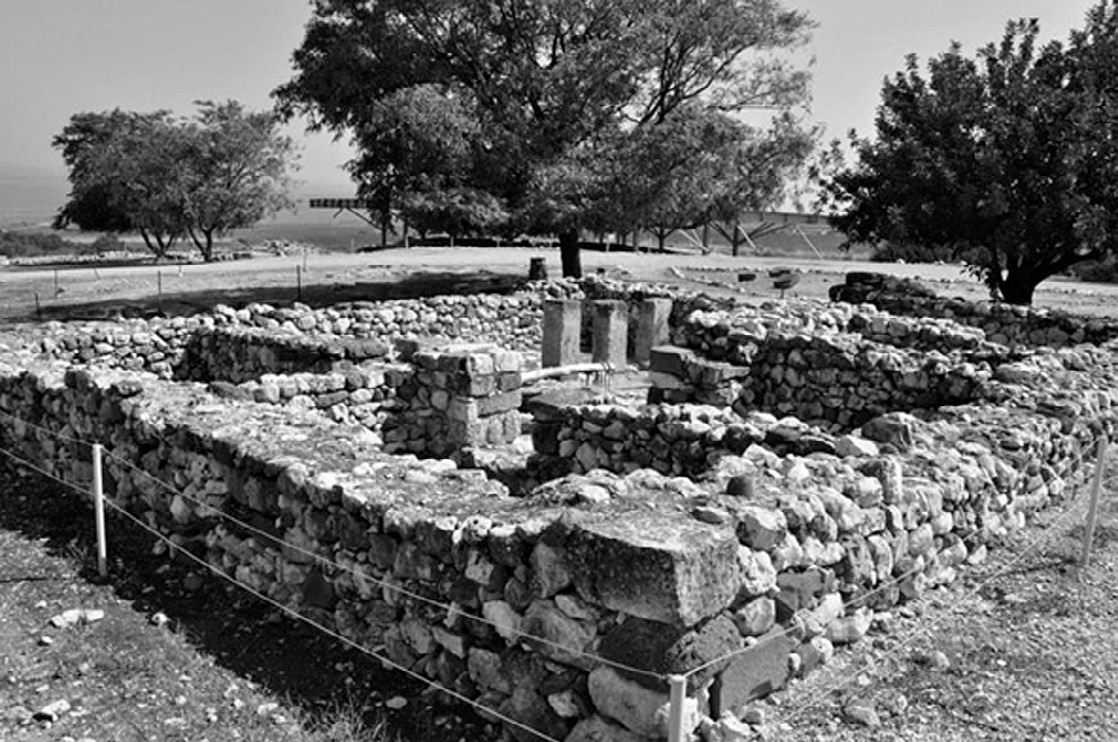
{"points": [[652, 328], [611, 332], [562, 323]]}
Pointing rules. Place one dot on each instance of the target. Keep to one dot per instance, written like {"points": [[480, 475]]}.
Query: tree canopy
{"points": [[549, 116], [1008, 161], [169, 178]]}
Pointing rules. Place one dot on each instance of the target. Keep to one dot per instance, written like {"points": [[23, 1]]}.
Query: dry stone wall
{"points": [[1005, 324], [737, 546]]}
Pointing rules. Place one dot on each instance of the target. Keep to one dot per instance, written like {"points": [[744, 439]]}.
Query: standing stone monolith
{"points": [[652, 328], [562, 325], [611, 332]]}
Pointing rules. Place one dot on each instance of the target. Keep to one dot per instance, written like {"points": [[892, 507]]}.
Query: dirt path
{"points": [[335, 276]]}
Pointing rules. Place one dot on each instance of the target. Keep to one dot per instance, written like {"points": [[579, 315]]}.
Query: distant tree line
{"points": [[172, 179]]}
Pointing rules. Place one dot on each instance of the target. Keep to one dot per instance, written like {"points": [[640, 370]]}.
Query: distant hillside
{"points": [[28, 196]]}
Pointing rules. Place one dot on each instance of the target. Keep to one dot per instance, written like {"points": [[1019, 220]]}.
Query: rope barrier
{"points": [[41, 429], [387, 585], [862, 598], [927, 627], [857, 602], [286, 609]]}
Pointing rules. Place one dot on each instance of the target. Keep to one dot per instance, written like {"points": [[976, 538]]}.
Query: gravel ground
{"points": [[1023, 648]]}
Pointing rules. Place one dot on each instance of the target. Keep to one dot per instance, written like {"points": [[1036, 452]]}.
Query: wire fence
{"points": [[1076, 464], [925, 627], [386, 661]]}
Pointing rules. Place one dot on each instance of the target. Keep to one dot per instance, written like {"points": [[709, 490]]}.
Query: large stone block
{"points": [[673, 570], [611, 333], [652, 328], [757, 672], [562, 326]]}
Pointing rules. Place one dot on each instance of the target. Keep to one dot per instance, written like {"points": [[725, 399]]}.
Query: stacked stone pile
{"points": [[459, 396], [1004, 324]]}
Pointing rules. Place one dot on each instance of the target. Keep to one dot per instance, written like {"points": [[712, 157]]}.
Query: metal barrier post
{"points": [[99, 513], [678, 684]]}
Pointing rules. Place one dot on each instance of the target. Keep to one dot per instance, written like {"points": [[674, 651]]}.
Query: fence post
{"points": [[99, 513], [1093, 508], [678, 684], [298, 283]]}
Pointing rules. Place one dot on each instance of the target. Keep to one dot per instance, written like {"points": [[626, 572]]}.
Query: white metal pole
{"points": [[99, 513], [678, 685], [1093, 508]]}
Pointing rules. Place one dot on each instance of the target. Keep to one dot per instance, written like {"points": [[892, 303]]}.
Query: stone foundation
{"points": [[682, 536]]}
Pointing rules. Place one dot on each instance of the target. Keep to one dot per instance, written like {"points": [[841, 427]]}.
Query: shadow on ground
{"points": [[414, 285]]}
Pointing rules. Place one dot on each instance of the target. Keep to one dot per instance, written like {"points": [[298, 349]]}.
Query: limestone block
{"points": [[760, 527], [670, 359], [639, 709], [610, 333], [677, 571], [652, 328], [562, 327], [564, 639], [598, 729], [759, 671]]}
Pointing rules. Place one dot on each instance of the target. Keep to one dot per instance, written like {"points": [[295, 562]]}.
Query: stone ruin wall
{"points": [[1006, 324], [774, 536]]}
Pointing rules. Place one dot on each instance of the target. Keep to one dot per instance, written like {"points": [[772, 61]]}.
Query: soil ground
{"points": [[87, 291], [1022, 648]]}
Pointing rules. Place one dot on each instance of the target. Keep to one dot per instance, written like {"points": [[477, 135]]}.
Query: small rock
{"points": [[266, 708], [159, 619], [75, 616], [45, 641], [862, 713], [396, 703], [52, 711], [936, 660]]}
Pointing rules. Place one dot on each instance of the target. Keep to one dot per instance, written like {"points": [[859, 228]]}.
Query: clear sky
{"points": [[58, 57]]}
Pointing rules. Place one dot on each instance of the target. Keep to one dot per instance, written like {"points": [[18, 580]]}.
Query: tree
{"points": [[168, 178], [235, 171], [542, 93], [1008, 161], [119, 163]]}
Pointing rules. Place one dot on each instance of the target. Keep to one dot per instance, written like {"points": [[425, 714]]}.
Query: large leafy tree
{"points": [[1008, 160], [119, 164], [234, 173], [543, 100], [169, 178]]}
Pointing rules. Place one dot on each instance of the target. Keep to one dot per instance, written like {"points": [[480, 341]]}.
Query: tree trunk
{"points": [[1017, 289], [569, 254]]}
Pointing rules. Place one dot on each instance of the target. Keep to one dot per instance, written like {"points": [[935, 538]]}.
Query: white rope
{"points": [[41, 429], [926, 628], [888, 584], [387, 585]]}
